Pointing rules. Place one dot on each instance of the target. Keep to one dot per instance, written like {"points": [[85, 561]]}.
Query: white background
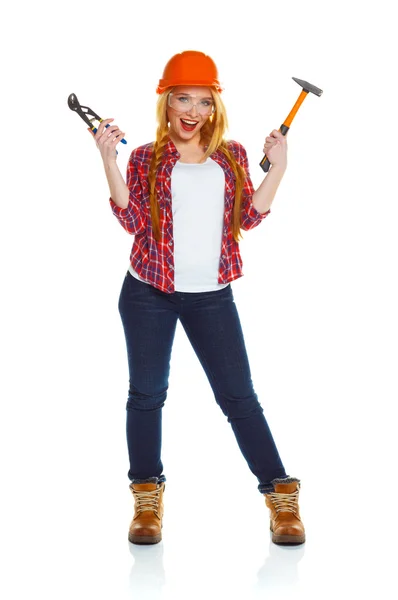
{"points": [[317, 302]]}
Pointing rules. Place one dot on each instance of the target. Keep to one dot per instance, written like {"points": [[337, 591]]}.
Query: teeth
{"points": [[189, 122]]}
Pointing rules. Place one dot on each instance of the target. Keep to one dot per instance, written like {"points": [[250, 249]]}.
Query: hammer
{"points": [[284, 128]]}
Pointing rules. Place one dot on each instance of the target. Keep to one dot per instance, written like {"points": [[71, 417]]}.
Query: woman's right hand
{"points": [[106, 139]]}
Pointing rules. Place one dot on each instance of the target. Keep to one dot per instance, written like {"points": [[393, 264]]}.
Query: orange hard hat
{"points": [[189, 68]]}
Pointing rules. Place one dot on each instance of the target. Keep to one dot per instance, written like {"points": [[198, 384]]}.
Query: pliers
{"points": [[74, 104]]}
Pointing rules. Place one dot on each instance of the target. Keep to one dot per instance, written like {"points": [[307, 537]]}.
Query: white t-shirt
{"points": [[198, 216]]}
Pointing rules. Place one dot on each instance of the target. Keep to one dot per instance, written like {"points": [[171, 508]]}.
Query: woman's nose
{"points": [[193, 109]]}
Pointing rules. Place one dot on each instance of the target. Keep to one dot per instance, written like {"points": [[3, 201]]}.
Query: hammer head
{"points": [[308, 87]]}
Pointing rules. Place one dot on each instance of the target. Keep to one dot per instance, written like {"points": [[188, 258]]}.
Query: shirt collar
{"points": [[170, 148]]}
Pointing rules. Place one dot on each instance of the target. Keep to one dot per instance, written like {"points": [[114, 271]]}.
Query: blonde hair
{"points": [[211, 135]]}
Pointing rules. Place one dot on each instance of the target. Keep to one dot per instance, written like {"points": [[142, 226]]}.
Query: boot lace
{"points": [[285, 502], [147, 499]]}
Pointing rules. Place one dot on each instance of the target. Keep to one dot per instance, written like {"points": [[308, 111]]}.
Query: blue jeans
{"points": [[211, 322]]}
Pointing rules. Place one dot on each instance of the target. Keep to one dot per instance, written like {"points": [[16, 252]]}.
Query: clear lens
{"points": [[184, 103]]}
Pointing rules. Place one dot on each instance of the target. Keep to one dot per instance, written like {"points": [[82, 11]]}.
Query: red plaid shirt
{"points": [[154, 261]]}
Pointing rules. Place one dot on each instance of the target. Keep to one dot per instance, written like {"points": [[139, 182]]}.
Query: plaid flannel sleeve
{"points": [[132, 217], [250, 216]]}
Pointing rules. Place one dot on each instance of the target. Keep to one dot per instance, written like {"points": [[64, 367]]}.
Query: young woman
{"points": [[186, 197]]}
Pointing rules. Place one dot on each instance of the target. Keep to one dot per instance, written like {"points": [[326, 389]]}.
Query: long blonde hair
{"points": [[212, 134]]}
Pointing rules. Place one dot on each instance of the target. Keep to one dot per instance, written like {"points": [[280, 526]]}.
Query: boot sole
{"points": [[287, 539], [145, 539]]}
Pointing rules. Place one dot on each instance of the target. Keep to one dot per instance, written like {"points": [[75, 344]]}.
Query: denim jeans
{"points": [[211, 322]]}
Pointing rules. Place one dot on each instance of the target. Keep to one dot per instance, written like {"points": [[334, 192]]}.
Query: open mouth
{"points": [[188, 125]]}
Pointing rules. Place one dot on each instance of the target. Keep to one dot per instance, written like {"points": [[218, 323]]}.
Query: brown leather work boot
{"points": [[146, 526], [286, 525]]}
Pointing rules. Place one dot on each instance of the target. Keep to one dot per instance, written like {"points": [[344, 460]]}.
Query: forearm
{"points": [[117, 186], [264, 195]]}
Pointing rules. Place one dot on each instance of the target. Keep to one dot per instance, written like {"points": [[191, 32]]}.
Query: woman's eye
{"points": [[183, 98], [205, 102]]}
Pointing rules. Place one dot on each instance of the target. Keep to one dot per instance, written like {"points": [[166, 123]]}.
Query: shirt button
{"points": [[171, 243], [224, 256]]}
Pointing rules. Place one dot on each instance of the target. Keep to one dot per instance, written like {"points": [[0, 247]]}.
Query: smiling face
{"points": [[178, 133]]}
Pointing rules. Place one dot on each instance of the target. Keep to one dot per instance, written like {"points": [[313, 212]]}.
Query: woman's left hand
{"points": [[275, 148]]}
